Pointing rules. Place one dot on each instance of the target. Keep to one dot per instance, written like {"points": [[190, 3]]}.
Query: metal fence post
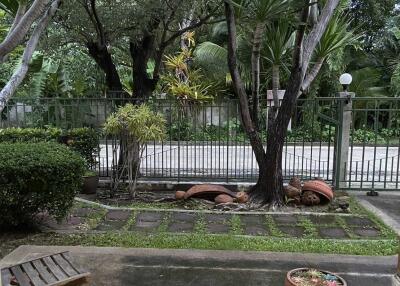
{"points": [[343, 140]]}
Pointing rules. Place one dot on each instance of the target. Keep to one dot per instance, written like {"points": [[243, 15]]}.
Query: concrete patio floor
{"points": [[386, 206], [121, 266]]}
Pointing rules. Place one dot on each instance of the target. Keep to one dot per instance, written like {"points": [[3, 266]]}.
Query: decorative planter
{"points": [[90, 184], [319, 187], [289, 281]]}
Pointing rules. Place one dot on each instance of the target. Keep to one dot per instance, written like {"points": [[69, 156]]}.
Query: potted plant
{"points": [[313, 277], [90, 182]]}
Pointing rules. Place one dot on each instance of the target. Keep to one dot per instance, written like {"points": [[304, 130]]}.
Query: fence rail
{"points": [[206, 142]]}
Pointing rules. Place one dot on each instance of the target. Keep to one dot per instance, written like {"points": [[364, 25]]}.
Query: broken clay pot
{"points": [[223, 199], [321, 188], [180, 195], [242, 197], [208, 192], [310, 198]]}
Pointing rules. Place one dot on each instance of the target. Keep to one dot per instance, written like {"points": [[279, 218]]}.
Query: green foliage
{"points": [[138, 121], [9, 6], [184, 83], [37, 177], [14, 135], [84, 141]]}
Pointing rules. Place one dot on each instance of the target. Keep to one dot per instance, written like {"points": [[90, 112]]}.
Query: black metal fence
{"points": [[207, 143]]}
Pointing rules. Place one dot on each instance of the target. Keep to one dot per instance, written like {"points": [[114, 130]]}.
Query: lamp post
{"points": [[345, 80], [343, 141]]}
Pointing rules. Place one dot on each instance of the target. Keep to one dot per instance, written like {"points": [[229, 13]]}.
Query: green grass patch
{"points": [[200, 226], [131, 221], [236, 225], [273, 229], [203, 241], [94, 218], [310, 229]]}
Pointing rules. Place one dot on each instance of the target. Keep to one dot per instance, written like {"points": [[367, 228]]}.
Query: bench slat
{"points": [[44, 273], [20, 275], [5, 277], [58, 273], [64, 265], [71, 261], [32, 274]]}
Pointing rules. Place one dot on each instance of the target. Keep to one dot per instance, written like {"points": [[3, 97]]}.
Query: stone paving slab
{"points": [[292, 231], [359, 221], [187, 217], [118, 215], [322, 219], [286, 219], [218, 228], [217, 218], [181, 227], [255, 230], [258, 220], [333, 233], [111, 225], [366, 232]]}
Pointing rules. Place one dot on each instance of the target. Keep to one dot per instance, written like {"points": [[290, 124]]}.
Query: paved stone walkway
{"points": [[88, 219]]}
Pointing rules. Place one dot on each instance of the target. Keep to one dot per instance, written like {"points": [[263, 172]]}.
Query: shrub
{"points": [[85, 141], [37, 177], [29, 135]]}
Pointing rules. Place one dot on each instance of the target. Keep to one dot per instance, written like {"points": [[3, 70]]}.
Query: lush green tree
{"points": [[137, 38], [371, 16], [310, 43]]}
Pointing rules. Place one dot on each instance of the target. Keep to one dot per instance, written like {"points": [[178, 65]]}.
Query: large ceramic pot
{"points": [[319, 187], [289, 281], [90, 184]]}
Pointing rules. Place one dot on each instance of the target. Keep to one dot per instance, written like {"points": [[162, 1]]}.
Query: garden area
{"points": [[172, 139]]}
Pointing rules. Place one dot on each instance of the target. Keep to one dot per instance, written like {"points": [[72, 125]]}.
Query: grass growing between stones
{"points": [[310, 229], [204, 241], [236, 225]]}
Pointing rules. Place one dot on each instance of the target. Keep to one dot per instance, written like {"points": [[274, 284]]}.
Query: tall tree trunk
{"points": [[275, 84], [103, 58], [141, 53], [255, 67]]}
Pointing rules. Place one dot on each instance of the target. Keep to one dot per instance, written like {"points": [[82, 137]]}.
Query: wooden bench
{"points": [[55, 269]]}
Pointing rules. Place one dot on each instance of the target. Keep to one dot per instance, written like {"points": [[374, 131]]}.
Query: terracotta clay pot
{"points": [[319, 187], [310, 198], [242, 197], [180, 195], [223, 199], [208, 192], [290, 282]]}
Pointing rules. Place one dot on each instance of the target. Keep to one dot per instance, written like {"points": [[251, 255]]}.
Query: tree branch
{"points": [[20, 13], [17, 35], [317, 32], [312, 74], [193, 26], [16, 79]]}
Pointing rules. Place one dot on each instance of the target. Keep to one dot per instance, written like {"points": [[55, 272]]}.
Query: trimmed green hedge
{"points": [[85, 140], [37, 177]]}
